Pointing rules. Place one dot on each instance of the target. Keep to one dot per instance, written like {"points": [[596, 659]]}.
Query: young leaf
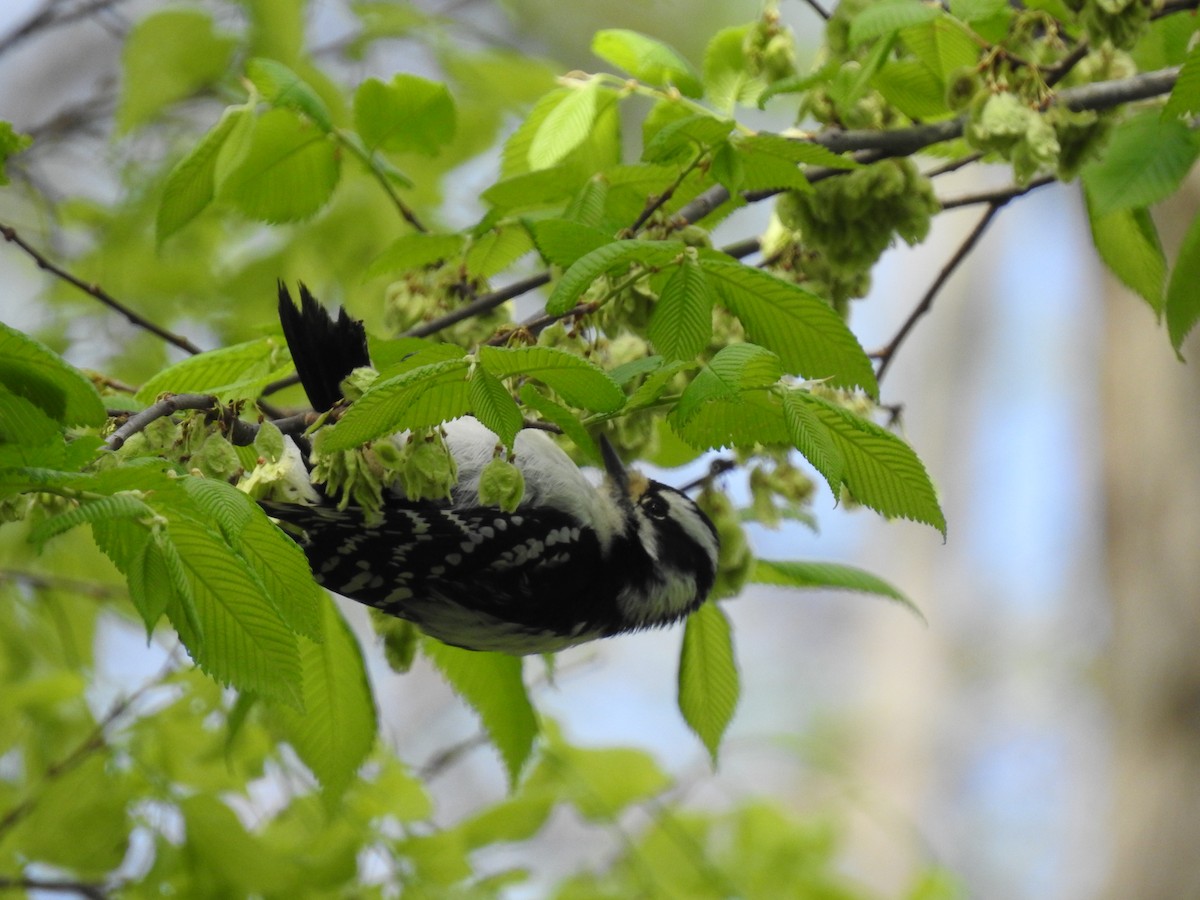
{"points": [[491, 683], [810, 338], [168, 56], [226, 372], [646, 59], [412, 251], [421, 397], [747, 420], [681, 324], [533, 190], [889, 16], [1145, 161], [118, 506], [587, 269], [812, 438], [337, 731], [280, 86], [497, 249], [1185, 96], [576, 380], [493, 405], [407, 115], [686, 137], [727, 77], [31, 370], [734, 370], [12, 142], [566, 126], [245, 642], [882, 472], [564, 419], [287, 173], [279, 565], [1183, 299], [192, 183], [708, 676], [562, 242], [830, 576], [1127, 241]]}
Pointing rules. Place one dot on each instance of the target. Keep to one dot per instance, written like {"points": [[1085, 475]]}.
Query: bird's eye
{"points": [[655, 507]]}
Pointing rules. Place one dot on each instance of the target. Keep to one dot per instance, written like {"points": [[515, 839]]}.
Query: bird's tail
{"points": [[325, 351]]}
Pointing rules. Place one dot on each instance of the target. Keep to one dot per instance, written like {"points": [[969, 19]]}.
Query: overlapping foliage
{"points": [[646, 331]]}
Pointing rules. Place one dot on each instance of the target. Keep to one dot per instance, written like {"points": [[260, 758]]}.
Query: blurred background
{"points": [[1040, 735]]}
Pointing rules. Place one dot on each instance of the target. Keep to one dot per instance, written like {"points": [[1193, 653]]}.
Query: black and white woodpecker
{"points": [[580, 558]]}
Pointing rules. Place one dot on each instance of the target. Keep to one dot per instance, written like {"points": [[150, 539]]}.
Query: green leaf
{"points": [[192, 183], [118, 506], [563, 242], [745, 421], [279, 565], [587, 269], [11, 143], [810, 338], [828, 576], [792, 151], [337, 730], [245, 642], [728, 80], [882, 472], [647, 60], [31, 370], [414, 251], [579, 382], [889, 16], [566, 126], [24, 425], [913, 88], [494, 406], [943, 45], [599, 782], [812, 438], [1185, 96], [230, 373], [288, 170], [708, 676], [407, 115], [1183, 298], [234, 861], [421, 397], [564, 419], [93, 796], [685, 138], [533, 190], [1127, 241], [168, 56], [491, 684], [280, 86], [497, 249], [1145, 161], [681, 324]]}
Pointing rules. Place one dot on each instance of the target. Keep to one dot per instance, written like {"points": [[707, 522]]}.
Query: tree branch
{"points": [[45, 19], [1002, 195], [94, 290], [166, 407], [888, 353]]}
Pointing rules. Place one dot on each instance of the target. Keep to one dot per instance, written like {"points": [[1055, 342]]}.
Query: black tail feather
{"points": [[324, 351]]}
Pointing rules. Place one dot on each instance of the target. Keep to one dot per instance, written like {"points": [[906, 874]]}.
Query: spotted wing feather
{"points": [[448, 569]]}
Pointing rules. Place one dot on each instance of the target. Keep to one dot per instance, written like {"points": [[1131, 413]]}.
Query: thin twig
{"points": [[888, 353], [1001, 194], [45, 19], [54, 885], [94, 290], [478, 307], [818, 9], [954, 165], [44, 582], [166, 407]]}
